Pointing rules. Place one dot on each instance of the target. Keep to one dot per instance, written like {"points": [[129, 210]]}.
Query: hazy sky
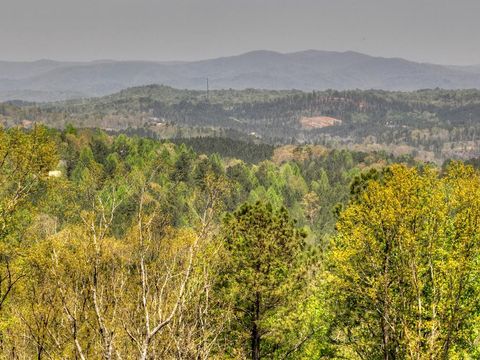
{"points": [[439, 31]]}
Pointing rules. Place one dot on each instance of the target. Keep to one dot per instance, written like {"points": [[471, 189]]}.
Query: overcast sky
{"points": [[438, 31]]}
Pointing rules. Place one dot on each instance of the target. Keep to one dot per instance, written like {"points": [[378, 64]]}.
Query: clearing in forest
{"points": [[317, 122]]}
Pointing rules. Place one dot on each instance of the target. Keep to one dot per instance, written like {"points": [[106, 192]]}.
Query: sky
{"points": [[435, 31]]}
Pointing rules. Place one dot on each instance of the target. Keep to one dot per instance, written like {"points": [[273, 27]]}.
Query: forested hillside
{"points": [[118, 247], [433, 125]]}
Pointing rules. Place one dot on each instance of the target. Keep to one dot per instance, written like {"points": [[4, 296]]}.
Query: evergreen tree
{"points": [[262, 272]]}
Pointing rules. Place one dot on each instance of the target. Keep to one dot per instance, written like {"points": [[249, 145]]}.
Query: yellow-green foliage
{"points": [[405, 265]]}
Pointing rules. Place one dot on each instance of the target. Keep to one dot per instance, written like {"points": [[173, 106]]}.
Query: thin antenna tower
{"points": [[208, 90]]}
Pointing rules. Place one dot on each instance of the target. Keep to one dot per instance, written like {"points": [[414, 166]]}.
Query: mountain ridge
{"points": [[49, 80]]}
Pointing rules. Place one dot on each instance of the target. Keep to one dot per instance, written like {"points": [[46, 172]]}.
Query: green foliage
{"points": [[262, 276], [244, 150]]}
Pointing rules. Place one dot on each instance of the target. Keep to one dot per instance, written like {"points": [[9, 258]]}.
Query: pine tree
{"points": [[262, 271]]}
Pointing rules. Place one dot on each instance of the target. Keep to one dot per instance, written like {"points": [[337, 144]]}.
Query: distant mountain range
{"points": [[47, 80]]}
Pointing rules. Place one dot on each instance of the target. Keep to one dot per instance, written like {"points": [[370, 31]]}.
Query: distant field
{"points": [[318, 122]]}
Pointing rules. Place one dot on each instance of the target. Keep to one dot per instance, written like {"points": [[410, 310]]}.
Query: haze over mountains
{"points": [[47, 80]]}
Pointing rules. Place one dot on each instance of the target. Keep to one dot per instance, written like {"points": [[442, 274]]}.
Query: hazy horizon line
{"points": [[178, 61]]}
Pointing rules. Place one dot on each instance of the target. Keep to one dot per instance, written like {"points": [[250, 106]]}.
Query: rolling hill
{"points": [[433, 124]]}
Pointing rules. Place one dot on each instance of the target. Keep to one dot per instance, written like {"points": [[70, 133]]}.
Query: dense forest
{"points": [[432, 125], [124, 247]]}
